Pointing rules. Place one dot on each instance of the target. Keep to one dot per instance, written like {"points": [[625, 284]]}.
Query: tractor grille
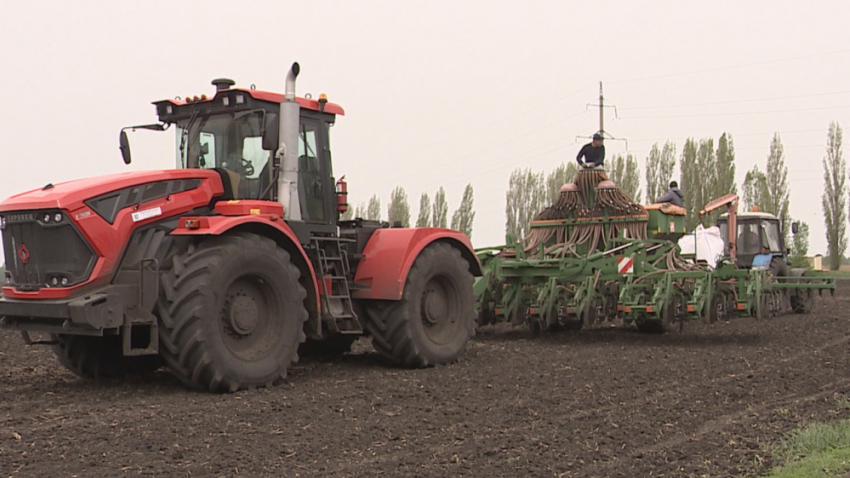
{"points": [[44, 249]]}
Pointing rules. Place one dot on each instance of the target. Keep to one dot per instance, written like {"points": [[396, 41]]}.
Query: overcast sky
{"points": [[436, 93]]}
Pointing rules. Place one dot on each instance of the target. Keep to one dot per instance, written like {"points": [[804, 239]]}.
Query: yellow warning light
{"points": [[203, 97], [755, 208], [323, 97]]}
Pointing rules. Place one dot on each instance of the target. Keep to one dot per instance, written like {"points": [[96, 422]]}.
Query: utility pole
{"points": [[602, 110], [602, 107]]}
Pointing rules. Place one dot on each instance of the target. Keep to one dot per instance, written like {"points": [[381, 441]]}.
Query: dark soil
{"points": [[709, 401]]}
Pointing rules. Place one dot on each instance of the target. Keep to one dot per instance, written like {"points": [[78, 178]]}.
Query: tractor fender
{"points": [[389, 254], [268, 225]]}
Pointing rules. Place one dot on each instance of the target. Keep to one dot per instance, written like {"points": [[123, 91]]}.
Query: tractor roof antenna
{"points": [[602, 107]]}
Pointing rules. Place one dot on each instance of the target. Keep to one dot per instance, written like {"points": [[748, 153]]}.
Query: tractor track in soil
{"points": [[708, 401]]}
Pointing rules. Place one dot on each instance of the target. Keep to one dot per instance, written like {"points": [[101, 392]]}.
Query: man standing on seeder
{"points": [[593, 153]]}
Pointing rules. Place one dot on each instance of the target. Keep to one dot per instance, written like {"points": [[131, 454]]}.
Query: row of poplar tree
{"points": [[430, 214], [706, 172]]}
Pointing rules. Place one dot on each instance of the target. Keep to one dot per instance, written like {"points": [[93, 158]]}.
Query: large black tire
{"points": [[435, 317], [233, 313], [778, 267], [101, 357], [802, 301]]}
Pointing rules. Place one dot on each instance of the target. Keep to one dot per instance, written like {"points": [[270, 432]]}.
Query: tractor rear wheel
{"points": [[233, 313], [802, 301], [101, 357], [435, 317], [778, 267]]}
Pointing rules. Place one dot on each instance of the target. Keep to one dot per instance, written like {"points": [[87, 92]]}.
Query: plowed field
{"points": [[708, 401]]}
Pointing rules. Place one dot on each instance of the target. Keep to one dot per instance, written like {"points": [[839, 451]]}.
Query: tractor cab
{"points": [[757, 233], [236, 133]]}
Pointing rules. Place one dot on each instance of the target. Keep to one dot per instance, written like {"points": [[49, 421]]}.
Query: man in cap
{"points": [[593, 153], [673, 195]]}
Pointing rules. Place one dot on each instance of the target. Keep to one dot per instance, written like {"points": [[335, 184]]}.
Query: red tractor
{"points": [[222, 268]]}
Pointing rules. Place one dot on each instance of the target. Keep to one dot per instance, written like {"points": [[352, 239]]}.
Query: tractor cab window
{"points": [[749, 240], [311, 182], [770, 235], [232, 142]]}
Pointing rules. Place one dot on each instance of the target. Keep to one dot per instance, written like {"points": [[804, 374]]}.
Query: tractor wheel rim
{"points": [[243, 314], [250, 318], [439, 310]]}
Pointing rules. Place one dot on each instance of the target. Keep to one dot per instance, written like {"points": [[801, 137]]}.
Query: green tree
{"points": [[524, 199], [777, 184], [707, 167], [659, 170], [373, 210], [724, 181], [800, 246], [424, 219], [464, 216], [398, 211], [754, 190], [834, 197], [565, 173], [361, 211], [441, 210], [623, 170], [690, 181], [348, 214]]}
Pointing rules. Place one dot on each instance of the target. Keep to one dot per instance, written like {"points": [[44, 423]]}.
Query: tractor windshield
{"points": [[233, 142], [770, 235], [753, 236]]}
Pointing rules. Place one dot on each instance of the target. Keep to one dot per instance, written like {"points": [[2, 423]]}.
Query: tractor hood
{"points": [[71, 194]]}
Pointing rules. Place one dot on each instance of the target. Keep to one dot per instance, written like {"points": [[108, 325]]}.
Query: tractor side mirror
{"points": [[272, 130], [124, 146], [794, 227]]}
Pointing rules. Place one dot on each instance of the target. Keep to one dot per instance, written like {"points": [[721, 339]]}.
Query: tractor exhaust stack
{"points": [[287, 152]]}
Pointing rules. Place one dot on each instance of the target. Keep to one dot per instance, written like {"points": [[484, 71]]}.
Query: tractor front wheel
{"points": [[435, 317], [233, 313]]}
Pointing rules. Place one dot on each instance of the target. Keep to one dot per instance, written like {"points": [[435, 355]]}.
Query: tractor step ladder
{"points": [[333, 271]]}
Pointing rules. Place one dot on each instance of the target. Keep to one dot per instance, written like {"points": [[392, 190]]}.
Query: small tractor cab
{"points": [[222, 268], [237, 133], [759, 241]]}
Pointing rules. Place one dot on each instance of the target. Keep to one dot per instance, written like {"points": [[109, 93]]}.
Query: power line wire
{"points": [[732, 67], [736, 113], [735, 101]]}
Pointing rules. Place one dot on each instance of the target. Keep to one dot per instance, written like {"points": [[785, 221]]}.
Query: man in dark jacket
{"points": [[593, 153], [673, 195]]}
